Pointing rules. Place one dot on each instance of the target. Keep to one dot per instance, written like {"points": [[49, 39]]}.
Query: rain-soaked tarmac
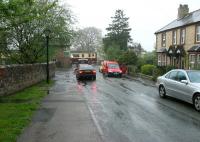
{"points": [[126, 110]]}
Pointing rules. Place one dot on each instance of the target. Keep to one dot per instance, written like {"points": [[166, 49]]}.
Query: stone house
{"points": [[178, 43]]}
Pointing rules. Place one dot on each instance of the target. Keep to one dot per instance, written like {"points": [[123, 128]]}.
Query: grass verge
{"points": [[16, 110]]}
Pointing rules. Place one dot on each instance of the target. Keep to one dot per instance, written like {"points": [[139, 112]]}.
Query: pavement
{"points": [[64, 116], [144, 81]]}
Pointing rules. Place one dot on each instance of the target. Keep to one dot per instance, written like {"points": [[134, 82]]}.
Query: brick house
{"points": [[178, 43]]}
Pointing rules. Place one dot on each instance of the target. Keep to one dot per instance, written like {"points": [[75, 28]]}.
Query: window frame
{"points": [[159, 59], [163, 41], [193, 62], [182, 38], [175, 76], [198, 58], [197, 33], [182, 73], [174, 37]]}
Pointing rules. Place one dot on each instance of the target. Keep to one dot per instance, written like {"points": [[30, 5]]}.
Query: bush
{"points": [[128, 58], [168, 68], [132, 70], [148, 69], [160, 70]]}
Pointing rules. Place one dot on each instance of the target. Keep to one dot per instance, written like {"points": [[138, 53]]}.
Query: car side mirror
{"points": [[184, 81]]}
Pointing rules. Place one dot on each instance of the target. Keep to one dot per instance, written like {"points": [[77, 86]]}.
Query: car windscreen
{"points": [[113, 66], [86, 67], [194, 76]]}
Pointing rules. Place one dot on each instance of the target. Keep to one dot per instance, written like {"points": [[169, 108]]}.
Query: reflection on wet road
{"points": [[128, 111]]}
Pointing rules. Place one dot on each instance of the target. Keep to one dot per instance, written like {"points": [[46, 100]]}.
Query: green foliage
{"points": [[23, 23], [123, 57], [168, 68], [132, 70], [160, 70], [118, 32], [140, 63], [148, 69], [150, 58], [113, 52], [128, 58]]}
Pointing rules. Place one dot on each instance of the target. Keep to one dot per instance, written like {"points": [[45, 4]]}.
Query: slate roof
{"points": [[190, 18], [195, 48], [75, 51], [161, 50]]}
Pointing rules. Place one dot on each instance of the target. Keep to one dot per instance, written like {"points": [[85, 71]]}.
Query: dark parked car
{"points": [[181, 84], [84, 71]]}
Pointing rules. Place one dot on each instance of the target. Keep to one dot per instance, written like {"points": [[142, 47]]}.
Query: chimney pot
{"points": [[183, 10]]}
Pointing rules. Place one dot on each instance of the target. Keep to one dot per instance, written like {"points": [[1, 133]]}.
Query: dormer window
{"points": [[163, 39], [198, 33], [174, 37]]}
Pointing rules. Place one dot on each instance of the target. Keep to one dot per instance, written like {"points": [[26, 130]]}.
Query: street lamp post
{"points": [[47, 32]]}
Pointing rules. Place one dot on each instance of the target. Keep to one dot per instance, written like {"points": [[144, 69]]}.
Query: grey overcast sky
{"points": [[146, 16]]}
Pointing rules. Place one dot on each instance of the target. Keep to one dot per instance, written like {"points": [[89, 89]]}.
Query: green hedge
{"points": [[148, 69], [132, 70], [160, 71]]}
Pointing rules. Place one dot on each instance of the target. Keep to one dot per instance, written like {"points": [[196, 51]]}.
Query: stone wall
{"points": [[14, 78]]}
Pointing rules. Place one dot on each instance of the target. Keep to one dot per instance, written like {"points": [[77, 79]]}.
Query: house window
{"points": [[192, 61], [182, 36], [198, 61], [198, 33], [89, 55], [82, 55], [159, 60], [163, 39], [174, 37], [75, 55]]}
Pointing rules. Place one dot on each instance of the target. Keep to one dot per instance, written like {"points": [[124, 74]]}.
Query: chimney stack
{"points": [[183, 10]]}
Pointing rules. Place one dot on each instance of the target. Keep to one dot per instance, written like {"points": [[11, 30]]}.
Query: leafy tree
{"points": [[118, 31], [88, 39], [128, 58], [22, 27], [150, 58], [113, 52]]}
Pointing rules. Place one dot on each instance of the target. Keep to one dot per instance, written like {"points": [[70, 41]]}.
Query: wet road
{"points": [[126, 110]]}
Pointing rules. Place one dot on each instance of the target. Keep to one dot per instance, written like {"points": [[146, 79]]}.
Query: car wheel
{"points": [[162, 92], [196, 102], [105, 74], [78, 78], [94, 78]]}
